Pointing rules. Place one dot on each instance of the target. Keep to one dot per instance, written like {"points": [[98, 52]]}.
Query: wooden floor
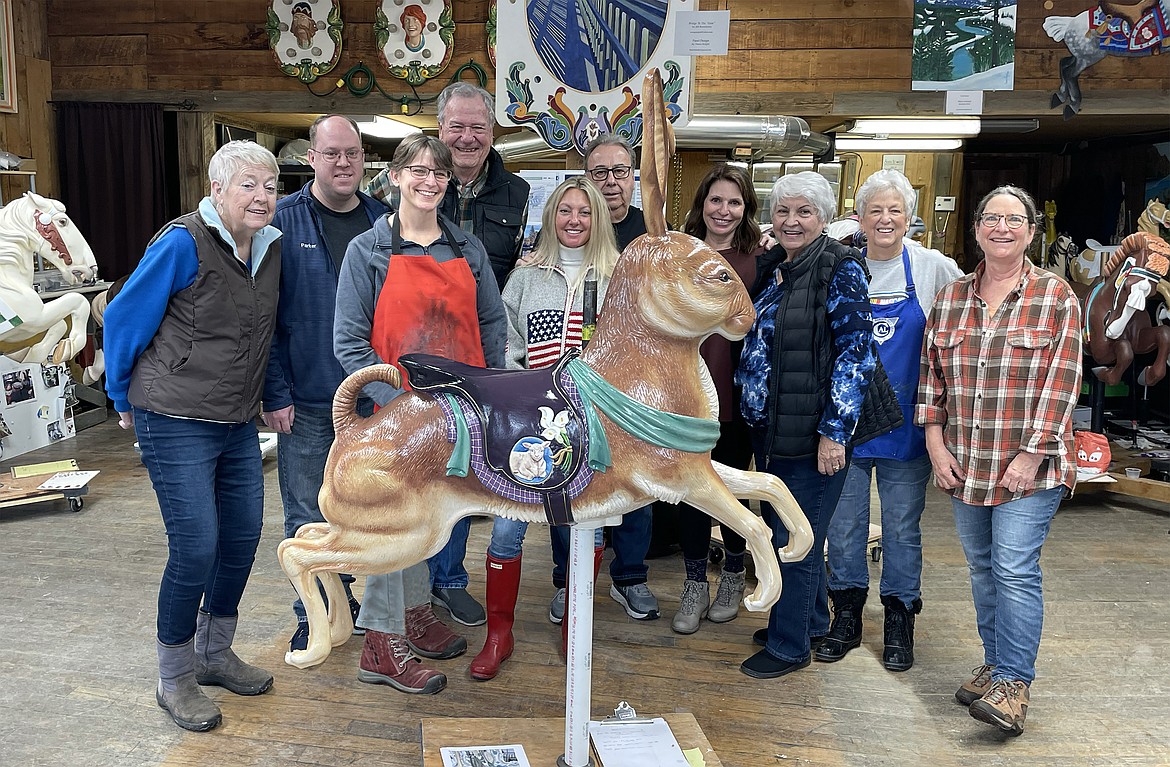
{"points": [[77, 672]]}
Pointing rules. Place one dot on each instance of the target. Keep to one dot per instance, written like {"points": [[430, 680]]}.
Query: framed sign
{"points": [[305, 36], [7, 59], [415, 38], [573, 71]]}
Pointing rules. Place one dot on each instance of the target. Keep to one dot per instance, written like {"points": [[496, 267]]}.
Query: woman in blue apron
{"points": [[904, 279]]}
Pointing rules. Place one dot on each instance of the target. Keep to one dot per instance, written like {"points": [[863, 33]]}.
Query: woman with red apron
{"points": [[904, 280], [414, 283]]}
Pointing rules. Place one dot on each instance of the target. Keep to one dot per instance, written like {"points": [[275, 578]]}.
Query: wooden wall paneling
{"points": [[821, 9], [29, 132], [196, 138]]}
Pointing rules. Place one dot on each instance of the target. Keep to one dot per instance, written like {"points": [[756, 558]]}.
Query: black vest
{"points": [[497, 213], [803, 357], [210, 353]]}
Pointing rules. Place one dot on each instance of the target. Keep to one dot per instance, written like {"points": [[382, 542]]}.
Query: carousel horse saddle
{"points": [[526, 429]]}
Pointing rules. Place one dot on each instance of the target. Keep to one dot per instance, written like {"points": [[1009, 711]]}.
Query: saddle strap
{"points": [[669, 430], [558, 508]]}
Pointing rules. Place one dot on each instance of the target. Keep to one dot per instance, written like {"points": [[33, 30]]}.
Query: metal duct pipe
{"points": [[769, 135]]}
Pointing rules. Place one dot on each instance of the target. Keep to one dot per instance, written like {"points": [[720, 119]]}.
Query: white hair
{"points": [[811, 186], [234, 156], [887, 180]]}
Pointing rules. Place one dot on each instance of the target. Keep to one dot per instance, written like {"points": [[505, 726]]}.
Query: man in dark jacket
{"points": [[318, 222]]}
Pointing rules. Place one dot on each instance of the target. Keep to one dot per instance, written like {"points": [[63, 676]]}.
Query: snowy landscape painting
{"points": [[966, 45]]}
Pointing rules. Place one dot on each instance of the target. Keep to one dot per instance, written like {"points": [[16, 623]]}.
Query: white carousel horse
{"points": [[33, 330]]}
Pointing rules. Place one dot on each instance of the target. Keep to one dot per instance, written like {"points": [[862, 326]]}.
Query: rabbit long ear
{"points": [[657, 148]]}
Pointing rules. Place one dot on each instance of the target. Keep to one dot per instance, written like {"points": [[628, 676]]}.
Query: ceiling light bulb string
{"points": [[360, 81]]}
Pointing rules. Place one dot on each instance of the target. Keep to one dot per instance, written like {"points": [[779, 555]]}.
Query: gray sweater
{"points": [[532, 289], [931, 269], [359, 284]]}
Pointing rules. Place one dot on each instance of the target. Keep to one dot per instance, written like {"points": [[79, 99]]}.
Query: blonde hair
{"points": [[601, 251]]}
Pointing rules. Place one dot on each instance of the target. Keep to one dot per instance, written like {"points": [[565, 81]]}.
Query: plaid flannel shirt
{"points": [[1003, 384]]}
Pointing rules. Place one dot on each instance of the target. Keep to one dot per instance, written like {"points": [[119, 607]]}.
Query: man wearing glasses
{"points": [[318, 222], [609, 161]]}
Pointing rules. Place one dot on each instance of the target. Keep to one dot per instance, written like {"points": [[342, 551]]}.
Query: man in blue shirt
{"points": [[318, 223]]}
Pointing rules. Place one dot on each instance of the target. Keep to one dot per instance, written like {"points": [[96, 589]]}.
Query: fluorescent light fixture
{"points": [[384, 127], [854, 144], [950, 127]]}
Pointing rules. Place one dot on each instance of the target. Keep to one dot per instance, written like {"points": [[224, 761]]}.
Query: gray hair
{"points": [[610, 139], [234, 156], [465, 90], [811, 186], [887, 180], [414, 145], [313, 128]]}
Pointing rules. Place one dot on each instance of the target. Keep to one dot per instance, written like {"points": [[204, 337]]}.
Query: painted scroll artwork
{"points": [[415, 38], [305, 36], [641, 407], [570, 70]]}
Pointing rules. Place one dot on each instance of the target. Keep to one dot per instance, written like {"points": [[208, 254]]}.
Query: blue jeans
{"points": [[803, 609], [446, 567], [1002, 544], [300, 464], [210, 489], [902, 491], [508, 538], [630, 541]]}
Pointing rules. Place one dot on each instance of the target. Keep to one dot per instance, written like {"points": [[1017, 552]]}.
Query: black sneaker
{"points": [[355, 607], [462, 606], [300, 637]]}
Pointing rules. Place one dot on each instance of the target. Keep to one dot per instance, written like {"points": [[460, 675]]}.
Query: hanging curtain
{"points": [[112, 162]]}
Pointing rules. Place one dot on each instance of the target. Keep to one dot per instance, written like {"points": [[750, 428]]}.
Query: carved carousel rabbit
{"points": [[643, 417]]}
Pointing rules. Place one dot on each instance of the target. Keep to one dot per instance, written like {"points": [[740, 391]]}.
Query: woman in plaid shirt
{"points": [[1001, 372]]}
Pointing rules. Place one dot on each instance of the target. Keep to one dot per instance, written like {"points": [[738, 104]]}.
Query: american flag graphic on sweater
{"points": [[546, 328]]}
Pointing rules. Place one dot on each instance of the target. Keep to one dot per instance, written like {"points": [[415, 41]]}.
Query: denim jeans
{"points": [[508, 538], [210, 489], [902, 492], [803, 609], [446, 567], [300, 467], [630, 541], [387, 598], [1002, 544]]}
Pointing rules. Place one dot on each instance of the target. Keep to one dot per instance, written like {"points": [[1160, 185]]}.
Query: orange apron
{"points": [[426, 306]]}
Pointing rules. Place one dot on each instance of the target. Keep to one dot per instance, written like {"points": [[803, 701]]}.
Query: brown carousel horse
{"points": [[1117, 324]]}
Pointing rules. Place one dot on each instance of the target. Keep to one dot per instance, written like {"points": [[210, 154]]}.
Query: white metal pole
{"points": [[579, 658]]}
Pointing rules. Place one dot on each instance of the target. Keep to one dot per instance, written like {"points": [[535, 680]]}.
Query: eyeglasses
{"points": [[1014, 220], [421, 172], [332, 155], [618, 171]]}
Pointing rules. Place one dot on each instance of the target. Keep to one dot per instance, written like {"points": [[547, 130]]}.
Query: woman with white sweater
{"points": [[545, 304]]}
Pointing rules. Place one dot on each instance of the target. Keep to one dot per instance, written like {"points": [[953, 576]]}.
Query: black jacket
{"points": [[498, 213]]}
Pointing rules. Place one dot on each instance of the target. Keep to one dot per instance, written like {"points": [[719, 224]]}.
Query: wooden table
{"points": [[543, 739]]}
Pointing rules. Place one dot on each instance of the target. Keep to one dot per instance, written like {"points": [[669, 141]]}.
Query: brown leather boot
{"points": [[429, 637], [503, 586], [598, 555], [387, 659]]}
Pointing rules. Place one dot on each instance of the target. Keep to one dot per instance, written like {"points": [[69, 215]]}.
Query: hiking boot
{"points": [[430, 637], [462, 606], [1005, 705], [845, 631], [300, 637], [556, 608], [898, 654], [387, 659], [973, 689], [728, 598], [637, 599], [692, 607]]}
